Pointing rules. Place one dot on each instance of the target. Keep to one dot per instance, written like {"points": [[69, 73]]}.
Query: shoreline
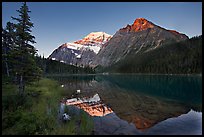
{"points": [[63, 74]]}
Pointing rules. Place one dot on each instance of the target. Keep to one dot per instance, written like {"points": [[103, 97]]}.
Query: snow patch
{"points": [[93, 48], [78, 56], [74, 46], [94, 35]]}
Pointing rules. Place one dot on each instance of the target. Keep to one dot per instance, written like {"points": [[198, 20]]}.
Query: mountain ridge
{"points": [[133, 39], [81, 52], [100, 48]]}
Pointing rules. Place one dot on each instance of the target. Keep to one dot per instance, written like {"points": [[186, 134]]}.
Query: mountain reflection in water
{"points": [[144, 100], [93, 105]]}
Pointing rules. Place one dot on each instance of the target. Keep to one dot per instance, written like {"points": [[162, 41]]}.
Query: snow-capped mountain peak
{"points": [[82, 51], [92, 41], [98, 35], [95, 39]]}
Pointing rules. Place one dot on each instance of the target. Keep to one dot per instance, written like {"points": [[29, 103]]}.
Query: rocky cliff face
{"points": [[100, 48], [141, 36], [81, 52]]}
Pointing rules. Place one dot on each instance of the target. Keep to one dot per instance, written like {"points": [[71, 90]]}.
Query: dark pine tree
{"points": [[8, 41], [25, 66]]}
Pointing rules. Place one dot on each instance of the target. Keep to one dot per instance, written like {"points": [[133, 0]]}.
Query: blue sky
{"points": [[56, 23]]}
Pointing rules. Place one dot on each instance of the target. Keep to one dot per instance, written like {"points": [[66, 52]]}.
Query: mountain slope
{"points": [[81, 52], [183, 57], [140, 37]]}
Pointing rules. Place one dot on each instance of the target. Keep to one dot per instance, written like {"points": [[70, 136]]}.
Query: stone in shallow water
{"points": [[66, 117]]}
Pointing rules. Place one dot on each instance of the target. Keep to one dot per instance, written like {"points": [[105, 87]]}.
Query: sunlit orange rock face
{"points": [[94, 38], [141, 110], [142, 123], [177, 34], [173, 31], [139, 24], [95, 110], [93, 106]]}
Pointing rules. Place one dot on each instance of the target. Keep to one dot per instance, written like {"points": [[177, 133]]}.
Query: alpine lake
{"points": [[139, 104]]}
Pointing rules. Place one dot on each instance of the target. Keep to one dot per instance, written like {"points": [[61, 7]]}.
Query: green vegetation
{"points": [[18, 53], [55, 67], [30, 103], [20, 61], [174, 58], [37, 112]]}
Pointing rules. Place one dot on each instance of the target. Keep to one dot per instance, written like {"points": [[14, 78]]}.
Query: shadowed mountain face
{"points": [[133, 39], [102, 49], [81, 52]]}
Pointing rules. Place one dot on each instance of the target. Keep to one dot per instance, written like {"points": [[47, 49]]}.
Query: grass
{"points": [[37, 113]]}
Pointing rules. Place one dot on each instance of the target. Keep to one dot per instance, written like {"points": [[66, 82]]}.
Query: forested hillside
{"points": [[55, 67], [176, 58], [30, 102]]}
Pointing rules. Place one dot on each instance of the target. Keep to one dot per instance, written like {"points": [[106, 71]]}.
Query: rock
{"points": [[78, 91], [66, 117], [141, 36]]}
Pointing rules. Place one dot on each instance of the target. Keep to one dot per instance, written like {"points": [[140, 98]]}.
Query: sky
{"points": [[56, 23]]}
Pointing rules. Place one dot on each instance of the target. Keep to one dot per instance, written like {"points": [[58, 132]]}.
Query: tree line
{"points": [[18, 52], [183, 57], [55, 67], [20, 61]]}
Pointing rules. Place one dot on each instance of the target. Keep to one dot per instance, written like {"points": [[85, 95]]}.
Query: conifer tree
{"points": [[25, 66], [7, 46]]}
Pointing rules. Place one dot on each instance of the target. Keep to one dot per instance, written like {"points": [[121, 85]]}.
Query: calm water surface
{"points": [[143, 104]]}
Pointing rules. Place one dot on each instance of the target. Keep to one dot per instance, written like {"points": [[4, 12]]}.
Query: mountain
{"points": [[184, 57], [142, 47], [94, 39], [140, 37], [81, 52]]}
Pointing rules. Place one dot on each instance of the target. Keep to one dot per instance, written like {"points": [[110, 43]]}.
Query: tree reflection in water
{"points": [[144, 100]]}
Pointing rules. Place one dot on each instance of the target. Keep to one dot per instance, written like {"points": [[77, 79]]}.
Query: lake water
{"points": [[142, 104]]}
